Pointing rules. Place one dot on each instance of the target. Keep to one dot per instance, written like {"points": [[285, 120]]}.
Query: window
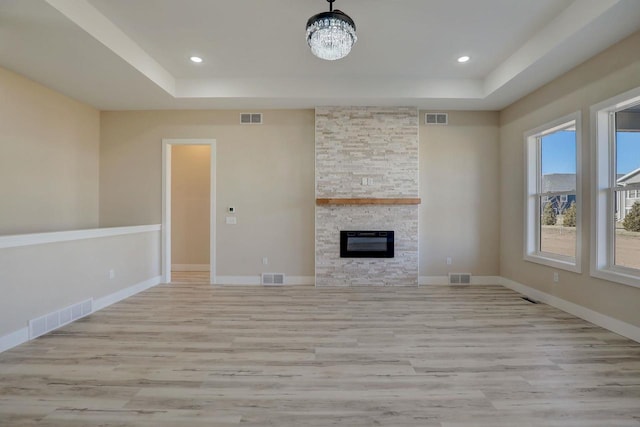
{"points": [[552, 210], [616, 232]]}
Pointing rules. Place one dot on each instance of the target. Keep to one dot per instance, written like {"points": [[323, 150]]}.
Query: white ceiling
{"points": [[133, 54]]}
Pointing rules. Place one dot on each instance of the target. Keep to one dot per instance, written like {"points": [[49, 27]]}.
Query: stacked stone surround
{"points": [[381, 145]]}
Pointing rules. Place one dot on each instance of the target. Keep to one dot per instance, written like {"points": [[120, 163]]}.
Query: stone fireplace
{"points": [[366, 179]]}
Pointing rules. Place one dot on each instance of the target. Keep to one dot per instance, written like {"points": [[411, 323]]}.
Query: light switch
{"points": [[232, 220]]}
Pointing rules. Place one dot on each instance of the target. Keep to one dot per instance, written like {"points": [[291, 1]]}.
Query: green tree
{"points": [[570, 216], [631, 221], [549, 214]]}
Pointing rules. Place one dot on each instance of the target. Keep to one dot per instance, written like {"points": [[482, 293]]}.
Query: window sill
{"points": [[617, 275], [550, 261]]}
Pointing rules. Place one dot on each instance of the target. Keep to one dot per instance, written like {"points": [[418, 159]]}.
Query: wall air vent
{"points": [[251, 118], [49, 322], [270, 279], [436, 119], [459, 278]]}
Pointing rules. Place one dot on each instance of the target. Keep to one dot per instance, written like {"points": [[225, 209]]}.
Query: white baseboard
{"points": [[190, 267], [237, 280], [256, 280], [433, 280], [106, 301], [300, 280], [444, 280], [14, 339], [21, 336], [619, 327]]}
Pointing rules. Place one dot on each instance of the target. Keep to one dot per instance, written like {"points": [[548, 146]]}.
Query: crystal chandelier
{"points": [[331, 34]]}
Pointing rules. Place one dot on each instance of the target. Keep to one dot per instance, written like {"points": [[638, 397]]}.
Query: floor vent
{"points": [[460, 278], [436, 119], [273, 278], [251, 118], [51, 321]]}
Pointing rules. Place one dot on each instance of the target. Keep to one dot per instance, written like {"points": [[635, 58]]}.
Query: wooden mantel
{"points": [[369, 201]]}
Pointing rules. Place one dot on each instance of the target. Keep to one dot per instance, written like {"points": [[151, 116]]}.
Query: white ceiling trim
{"points": [[575, 18], [87, 17], [114, 71], [338, 88]]}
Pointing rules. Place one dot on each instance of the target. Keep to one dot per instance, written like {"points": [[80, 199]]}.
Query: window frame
{"points": [[532, 205], [603, 153]]}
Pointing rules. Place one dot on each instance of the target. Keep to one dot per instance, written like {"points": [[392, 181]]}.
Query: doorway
{"points": [[168, 146]]}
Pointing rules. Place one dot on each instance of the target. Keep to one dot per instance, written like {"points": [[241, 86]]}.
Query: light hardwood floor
{"points": [[196, 355], [180, 277]]}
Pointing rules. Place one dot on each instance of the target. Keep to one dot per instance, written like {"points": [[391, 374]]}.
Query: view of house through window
{"points": [[553, 206], [627, 188], [557, 174]]}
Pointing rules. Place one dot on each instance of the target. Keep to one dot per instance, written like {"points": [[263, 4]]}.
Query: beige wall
{"points": [[48, 159], [459, 180], [190, 203], [40, 279], [265, 171], [614, 71]]}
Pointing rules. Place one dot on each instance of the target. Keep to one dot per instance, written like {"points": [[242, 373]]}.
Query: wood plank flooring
{"points": [[180, 277], [196, 355]]}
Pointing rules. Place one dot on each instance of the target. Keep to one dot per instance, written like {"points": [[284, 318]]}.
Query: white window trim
{"points": [[602, 221], [531, 204]]}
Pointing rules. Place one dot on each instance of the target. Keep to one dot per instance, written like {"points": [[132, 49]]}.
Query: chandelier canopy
{"points": [[331, 35]]}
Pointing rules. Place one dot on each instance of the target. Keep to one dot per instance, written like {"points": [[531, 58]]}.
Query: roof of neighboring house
{"points": [[631, 177], [558, 182]]}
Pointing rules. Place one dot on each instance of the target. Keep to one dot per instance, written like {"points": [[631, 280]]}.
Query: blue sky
{"points": [[559, 152]]}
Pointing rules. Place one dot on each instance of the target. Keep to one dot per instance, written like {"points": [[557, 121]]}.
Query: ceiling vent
{"points": [[251, 118], [436, 119]]}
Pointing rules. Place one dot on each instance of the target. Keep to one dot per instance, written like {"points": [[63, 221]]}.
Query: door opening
{"points": [[184, 210]]}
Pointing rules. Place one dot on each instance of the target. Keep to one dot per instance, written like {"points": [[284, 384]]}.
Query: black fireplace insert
{"points": [[366, 244]]}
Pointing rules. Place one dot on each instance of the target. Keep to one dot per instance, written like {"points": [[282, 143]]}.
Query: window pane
{"points": [[627, 235], [558, 225], [558, 160], [627, 225]]}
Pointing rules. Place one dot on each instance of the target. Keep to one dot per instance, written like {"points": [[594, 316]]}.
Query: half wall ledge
{"points": [[369, 201]]}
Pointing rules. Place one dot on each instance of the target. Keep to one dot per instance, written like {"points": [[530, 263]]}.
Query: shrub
{"points": [[549, 215], [570, 216], [631, 221]]}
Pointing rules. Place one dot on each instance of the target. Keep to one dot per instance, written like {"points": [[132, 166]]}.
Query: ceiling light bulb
{"points": [[196, 59], [463, 59]]}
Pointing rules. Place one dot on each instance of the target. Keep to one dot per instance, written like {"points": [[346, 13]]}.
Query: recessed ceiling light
{"points": [[196, 59], [464, 58]]}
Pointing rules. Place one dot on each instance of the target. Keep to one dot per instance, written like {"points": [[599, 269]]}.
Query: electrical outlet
{"points": [[112, 274], [556, 277], [449, 260], [265, 260]]}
